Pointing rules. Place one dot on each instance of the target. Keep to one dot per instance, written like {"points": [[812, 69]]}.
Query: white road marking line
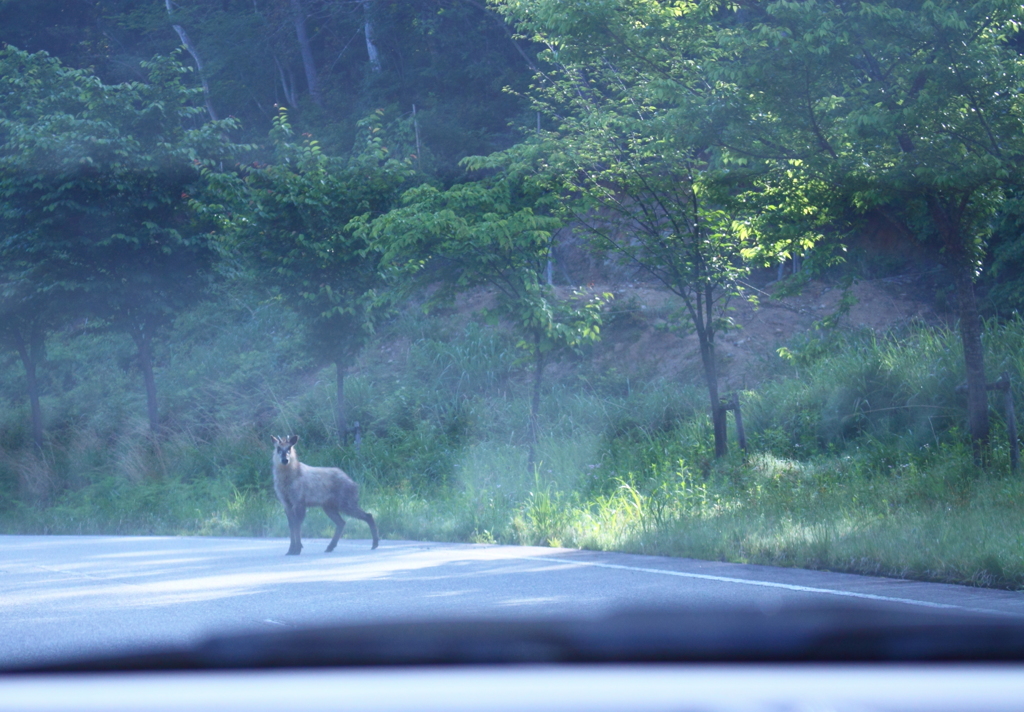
{"points": [[773, 584], [271, 621]]}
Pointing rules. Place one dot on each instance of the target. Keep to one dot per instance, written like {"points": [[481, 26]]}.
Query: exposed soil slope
{"points": [[644, 343]]}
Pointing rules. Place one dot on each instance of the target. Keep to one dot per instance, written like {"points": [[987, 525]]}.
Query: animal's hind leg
{"points": [[339, 526], [368, 518]]}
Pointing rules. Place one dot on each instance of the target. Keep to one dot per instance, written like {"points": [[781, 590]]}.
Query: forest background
{"points": [[423, 234]]}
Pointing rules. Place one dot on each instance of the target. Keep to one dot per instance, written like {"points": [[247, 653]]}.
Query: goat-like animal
{"points": [[299, 486]]}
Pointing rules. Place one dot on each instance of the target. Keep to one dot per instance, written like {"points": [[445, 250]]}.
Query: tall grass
{"points": [[856, 463]]}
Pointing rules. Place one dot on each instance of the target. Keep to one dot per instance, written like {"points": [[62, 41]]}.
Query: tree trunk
{"points": [[718, 413], [306, 50], [416, 130], [191, 48], [538, 375], [339, 408], [144, 344], [29, 353], [948, 216], [974, 356], [371, 45], [287, 85]]}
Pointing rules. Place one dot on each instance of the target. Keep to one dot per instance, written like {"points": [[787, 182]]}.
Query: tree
{"points": [[290, 219], [306, 51], [907, 107], [654, 207], [368, 32], [190, 47], [493, 232], [95, 182], [33, 278], [27, 315], [452, 59], [639, 179]]}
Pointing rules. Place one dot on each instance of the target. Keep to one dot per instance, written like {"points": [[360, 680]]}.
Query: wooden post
{"points": [[1011, 427], [1003, 384], [739, 421], [1011, 420], [734, 406]]}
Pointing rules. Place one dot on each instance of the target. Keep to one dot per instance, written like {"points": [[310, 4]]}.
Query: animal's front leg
{"points": [[295, 517]]}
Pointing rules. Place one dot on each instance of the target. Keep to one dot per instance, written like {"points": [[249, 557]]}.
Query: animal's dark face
{"points": [[284, 449]]}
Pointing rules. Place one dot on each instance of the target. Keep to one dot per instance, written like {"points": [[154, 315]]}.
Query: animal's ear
{"points": [[293, 439]]}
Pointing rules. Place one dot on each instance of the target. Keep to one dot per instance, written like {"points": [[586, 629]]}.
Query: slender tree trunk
{"points": [[371, 44], [306, 50], [701, 312], [144, 344], [29, 354], [947, 216], [718, 413], [339, 409], [287, 84], [191, 48], [416, 131], [538, 376], [974, 356]]}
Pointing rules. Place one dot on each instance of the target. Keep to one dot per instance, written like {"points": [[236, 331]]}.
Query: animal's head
{"points": [[284, 449]]}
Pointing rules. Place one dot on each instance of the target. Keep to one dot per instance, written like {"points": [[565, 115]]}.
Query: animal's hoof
{"points": [[374, 546], [328, 550], [293, 552]]}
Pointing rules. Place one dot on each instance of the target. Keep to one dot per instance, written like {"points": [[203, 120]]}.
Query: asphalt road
{"points": [[66, 597]]}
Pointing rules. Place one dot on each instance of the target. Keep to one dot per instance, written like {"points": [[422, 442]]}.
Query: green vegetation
{"points": [[856, 461], [494, 235], [289, 218], [392, 196]]}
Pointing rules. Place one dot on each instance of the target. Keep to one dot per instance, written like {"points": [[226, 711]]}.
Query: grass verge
{"points": [[930, 517]]}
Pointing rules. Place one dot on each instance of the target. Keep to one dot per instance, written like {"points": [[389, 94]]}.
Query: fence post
{"points": [[1004, 385], [1011, 422], [739, 421], [734, 405]]}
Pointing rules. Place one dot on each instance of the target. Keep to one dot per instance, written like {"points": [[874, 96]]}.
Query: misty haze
{"points": [[738, 284]]}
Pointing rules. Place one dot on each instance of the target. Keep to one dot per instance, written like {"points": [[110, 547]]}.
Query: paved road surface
{"points": [[68, 596]]}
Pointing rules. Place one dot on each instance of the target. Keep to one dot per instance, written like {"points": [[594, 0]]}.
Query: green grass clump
{"points": [[930, 518]]}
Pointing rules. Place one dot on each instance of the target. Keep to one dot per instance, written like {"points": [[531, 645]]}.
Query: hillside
{"points": [[641, 343]]}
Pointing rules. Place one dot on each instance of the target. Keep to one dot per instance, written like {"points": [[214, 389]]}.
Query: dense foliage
{"points": [[450, 59], [288, 221]]}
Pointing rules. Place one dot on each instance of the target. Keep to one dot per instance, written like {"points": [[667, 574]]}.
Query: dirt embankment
{"points": [[646, 334], [640, 337]]}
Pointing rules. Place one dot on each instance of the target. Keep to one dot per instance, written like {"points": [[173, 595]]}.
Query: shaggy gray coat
{"points": [[299, 486]]}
